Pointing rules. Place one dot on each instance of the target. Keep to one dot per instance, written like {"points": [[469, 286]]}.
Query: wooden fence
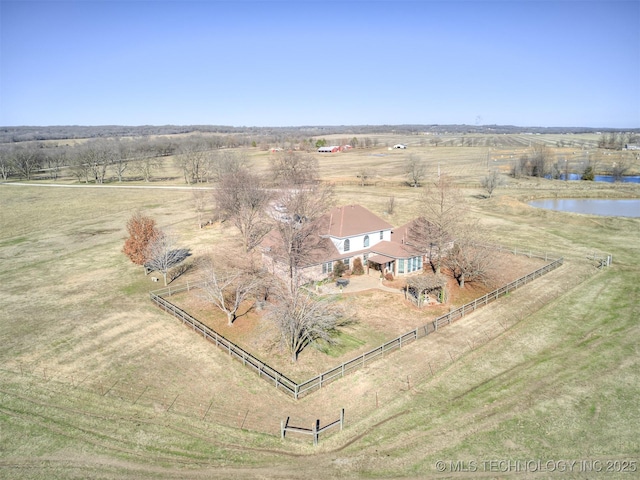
{"points": [[297, 390], [263, 370], [315, 430]]}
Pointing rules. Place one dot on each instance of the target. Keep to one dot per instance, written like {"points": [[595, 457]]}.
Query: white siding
{"points": [[356, 243]]}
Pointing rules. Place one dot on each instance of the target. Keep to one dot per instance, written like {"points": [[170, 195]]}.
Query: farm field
{"points": [[95, 382]]}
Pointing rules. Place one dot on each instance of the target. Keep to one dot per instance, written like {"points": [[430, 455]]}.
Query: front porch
{"points": [[394, 266]]}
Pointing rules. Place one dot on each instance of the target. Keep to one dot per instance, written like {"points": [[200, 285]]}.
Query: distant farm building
{"points": [[334, 148], [329, 149]]}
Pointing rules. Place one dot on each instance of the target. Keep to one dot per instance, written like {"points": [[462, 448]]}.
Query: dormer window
{"points": [[347, 245], [381, 234], [366, 241]]}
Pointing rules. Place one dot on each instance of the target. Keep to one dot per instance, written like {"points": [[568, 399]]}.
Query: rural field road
{"points": [[160, 187]]}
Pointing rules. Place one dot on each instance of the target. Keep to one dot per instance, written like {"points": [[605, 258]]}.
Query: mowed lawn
{"points": [[96, 382]]}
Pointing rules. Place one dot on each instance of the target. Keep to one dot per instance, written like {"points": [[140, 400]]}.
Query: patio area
{"points": [[358, 283]]}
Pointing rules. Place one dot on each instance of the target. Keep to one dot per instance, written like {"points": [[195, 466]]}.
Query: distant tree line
{"points": [[255, 134], [100, 160], [617, 140]]}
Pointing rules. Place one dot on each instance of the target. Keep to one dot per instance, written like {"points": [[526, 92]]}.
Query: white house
{"points": [[351, 232]]}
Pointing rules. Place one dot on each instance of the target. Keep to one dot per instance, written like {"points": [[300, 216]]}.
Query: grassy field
{"points": [[97, 383]]}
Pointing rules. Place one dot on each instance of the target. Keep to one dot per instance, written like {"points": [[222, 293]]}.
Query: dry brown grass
{"points": [[98, 381]]}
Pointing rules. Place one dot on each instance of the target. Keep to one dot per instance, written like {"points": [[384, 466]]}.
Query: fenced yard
{"points": [[297, 390]]}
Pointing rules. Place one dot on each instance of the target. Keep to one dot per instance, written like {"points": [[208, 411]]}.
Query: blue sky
{"points": [[291, 63]]}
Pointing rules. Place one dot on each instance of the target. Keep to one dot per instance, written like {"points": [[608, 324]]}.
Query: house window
{"points": [[366, 240], [327, 268], [347, 245], [401, 265], [346, 262], [419, 259], [365, 257], [381, 234]]}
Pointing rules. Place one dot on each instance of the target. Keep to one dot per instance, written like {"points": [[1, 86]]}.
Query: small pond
{"points": [[592, 206], [604, 178]]}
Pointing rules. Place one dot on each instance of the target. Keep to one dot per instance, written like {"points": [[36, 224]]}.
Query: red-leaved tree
{"points": [[142, 231]]}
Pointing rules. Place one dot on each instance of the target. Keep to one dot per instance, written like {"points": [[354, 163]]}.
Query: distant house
{"points": [[351, 232]]}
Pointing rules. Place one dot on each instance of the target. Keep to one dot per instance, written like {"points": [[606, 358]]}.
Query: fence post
{"points": [[315, 432], [341, 418]]}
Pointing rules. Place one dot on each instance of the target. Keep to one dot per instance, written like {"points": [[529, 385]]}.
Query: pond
{"points": [[592, 206], [604, 178]]}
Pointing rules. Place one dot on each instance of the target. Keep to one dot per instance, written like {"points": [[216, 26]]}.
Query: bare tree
{"points": [[468, 261], [200, 201], [98, 156], [6, 162], [618, 170], [294, 168], [441, 212], [225, 163], [146, 166], [415, 170], [391, 205], [492, 181], [123, 153], [228, 288], [55, 160], [304, 320], [539, 160], [161, 254], [365, 173], [243, 199], [567, 170], [194, 161], [297, 227], [26, 161], [80, 169], [519, 166]]}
